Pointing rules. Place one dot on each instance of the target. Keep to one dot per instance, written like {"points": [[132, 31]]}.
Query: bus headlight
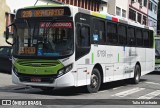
{"points": [[64, 70]]}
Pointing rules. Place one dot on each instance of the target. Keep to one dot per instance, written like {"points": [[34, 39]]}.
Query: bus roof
{"points": [[96, 14]]}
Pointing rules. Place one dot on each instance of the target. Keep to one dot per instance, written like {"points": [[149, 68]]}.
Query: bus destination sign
{"points": [[43, 12]]}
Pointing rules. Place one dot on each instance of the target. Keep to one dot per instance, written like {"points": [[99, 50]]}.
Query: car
{"points": [[5, 59]]}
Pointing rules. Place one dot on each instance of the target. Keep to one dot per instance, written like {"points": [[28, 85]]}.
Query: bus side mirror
{"points": [[7, 33]]}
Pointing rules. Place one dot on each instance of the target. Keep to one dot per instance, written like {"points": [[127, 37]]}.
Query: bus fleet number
{"points": [[101, 53]]}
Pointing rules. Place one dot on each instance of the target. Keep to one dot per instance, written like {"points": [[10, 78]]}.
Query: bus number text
{"points": [[101, 53]]}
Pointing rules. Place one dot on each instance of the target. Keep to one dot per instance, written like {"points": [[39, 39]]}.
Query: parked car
{"points": [[5, 58]]}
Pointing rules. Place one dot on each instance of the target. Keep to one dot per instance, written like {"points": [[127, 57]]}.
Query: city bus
{"points": [[63, 46], [157, 53]]}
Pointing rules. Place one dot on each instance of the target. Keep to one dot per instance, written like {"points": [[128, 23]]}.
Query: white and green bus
{"points": [[61, 46], [157, 53]]}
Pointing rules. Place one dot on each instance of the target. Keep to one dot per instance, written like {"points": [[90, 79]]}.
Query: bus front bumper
{"points": [[64, 81], [157, 67]]}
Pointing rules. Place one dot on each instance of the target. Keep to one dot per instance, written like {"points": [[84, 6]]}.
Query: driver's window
{"points": [[84, 36]]}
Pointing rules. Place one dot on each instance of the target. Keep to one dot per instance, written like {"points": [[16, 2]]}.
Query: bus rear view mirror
{"points": [[7, 33]]}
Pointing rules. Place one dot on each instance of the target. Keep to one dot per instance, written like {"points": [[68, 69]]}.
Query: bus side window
{"points": [[151, 38], [84, 37], [146, 38], [99, 32], [139, 37], [112, 37], [131, 36], [82, 41], [122, 33]]}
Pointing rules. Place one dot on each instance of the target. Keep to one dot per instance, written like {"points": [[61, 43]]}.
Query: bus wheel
{"points": [[137, 75], [95, 82]]}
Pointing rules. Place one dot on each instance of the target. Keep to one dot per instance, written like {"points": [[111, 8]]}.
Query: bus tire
{"points": [[95, 81], [137, 74]]}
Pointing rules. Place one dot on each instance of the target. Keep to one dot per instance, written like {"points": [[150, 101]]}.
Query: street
{"points": [[148, 88]]}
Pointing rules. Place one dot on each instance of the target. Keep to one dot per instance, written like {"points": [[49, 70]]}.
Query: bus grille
{"points": [[44, 79], [38, 63]]}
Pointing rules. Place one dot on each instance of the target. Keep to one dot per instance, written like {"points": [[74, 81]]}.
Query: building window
{"points": [[124, 13], [79, 3], [140, 2], [145, 3], [150, 5], [154, 24], [132, 14], [118, 11], [132, 1], [139, 17], [63, 1], [95, 6], [144, 20], [75, 3], [153, 6], [83, 4], [71, 2], [150, 23], [86, 4], [155, 9], [67, 1]]}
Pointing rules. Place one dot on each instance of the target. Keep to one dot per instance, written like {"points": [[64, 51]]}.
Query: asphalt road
{"points": [[148, 88]]}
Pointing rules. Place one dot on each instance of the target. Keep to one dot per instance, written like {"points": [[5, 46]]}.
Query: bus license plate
{"points": [[33, 79]]}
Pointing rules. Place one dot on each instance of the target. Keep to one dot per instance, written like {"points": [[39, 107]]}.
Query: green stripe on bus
{"points": [[118, 57], [92, 58]]}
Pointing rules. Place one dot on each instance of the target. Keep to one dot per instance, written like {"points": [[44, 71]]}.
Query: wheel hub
{"points": [[94, 81]]}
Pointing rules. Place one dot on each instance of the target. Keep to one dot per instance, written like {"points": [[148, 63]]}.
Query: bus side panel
{"points": [[117, 60], [141, 53], [149, 60], [102, 55], [83, 70]]}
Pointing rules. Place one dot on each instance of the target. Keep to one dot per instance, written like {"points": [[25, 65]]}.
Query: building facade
{"points": [[152, 13], [87, 4], [138, 11], [5, 19], [118, 8]]}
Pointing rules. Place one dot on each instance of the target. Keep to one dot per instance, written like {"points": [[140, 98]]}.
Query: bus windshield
{"points": [[44, 38], [157, 49]]}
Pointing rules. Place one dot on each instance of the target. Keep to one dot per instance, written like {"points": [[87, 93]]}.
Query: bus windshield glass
{"points": [[157, 49], [44, 38]]}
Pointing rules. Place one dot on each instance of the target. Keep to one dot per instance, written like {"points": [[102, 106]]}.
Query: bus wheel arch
{"points": [[137, 73], [96, 79], [138, 63], [99, 67]]}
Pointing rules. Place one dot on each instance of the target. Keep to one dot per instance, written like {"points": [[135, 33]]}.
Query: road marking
{"points": [[150, 95], [117, 87], [128, 92], [153, 83]]}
